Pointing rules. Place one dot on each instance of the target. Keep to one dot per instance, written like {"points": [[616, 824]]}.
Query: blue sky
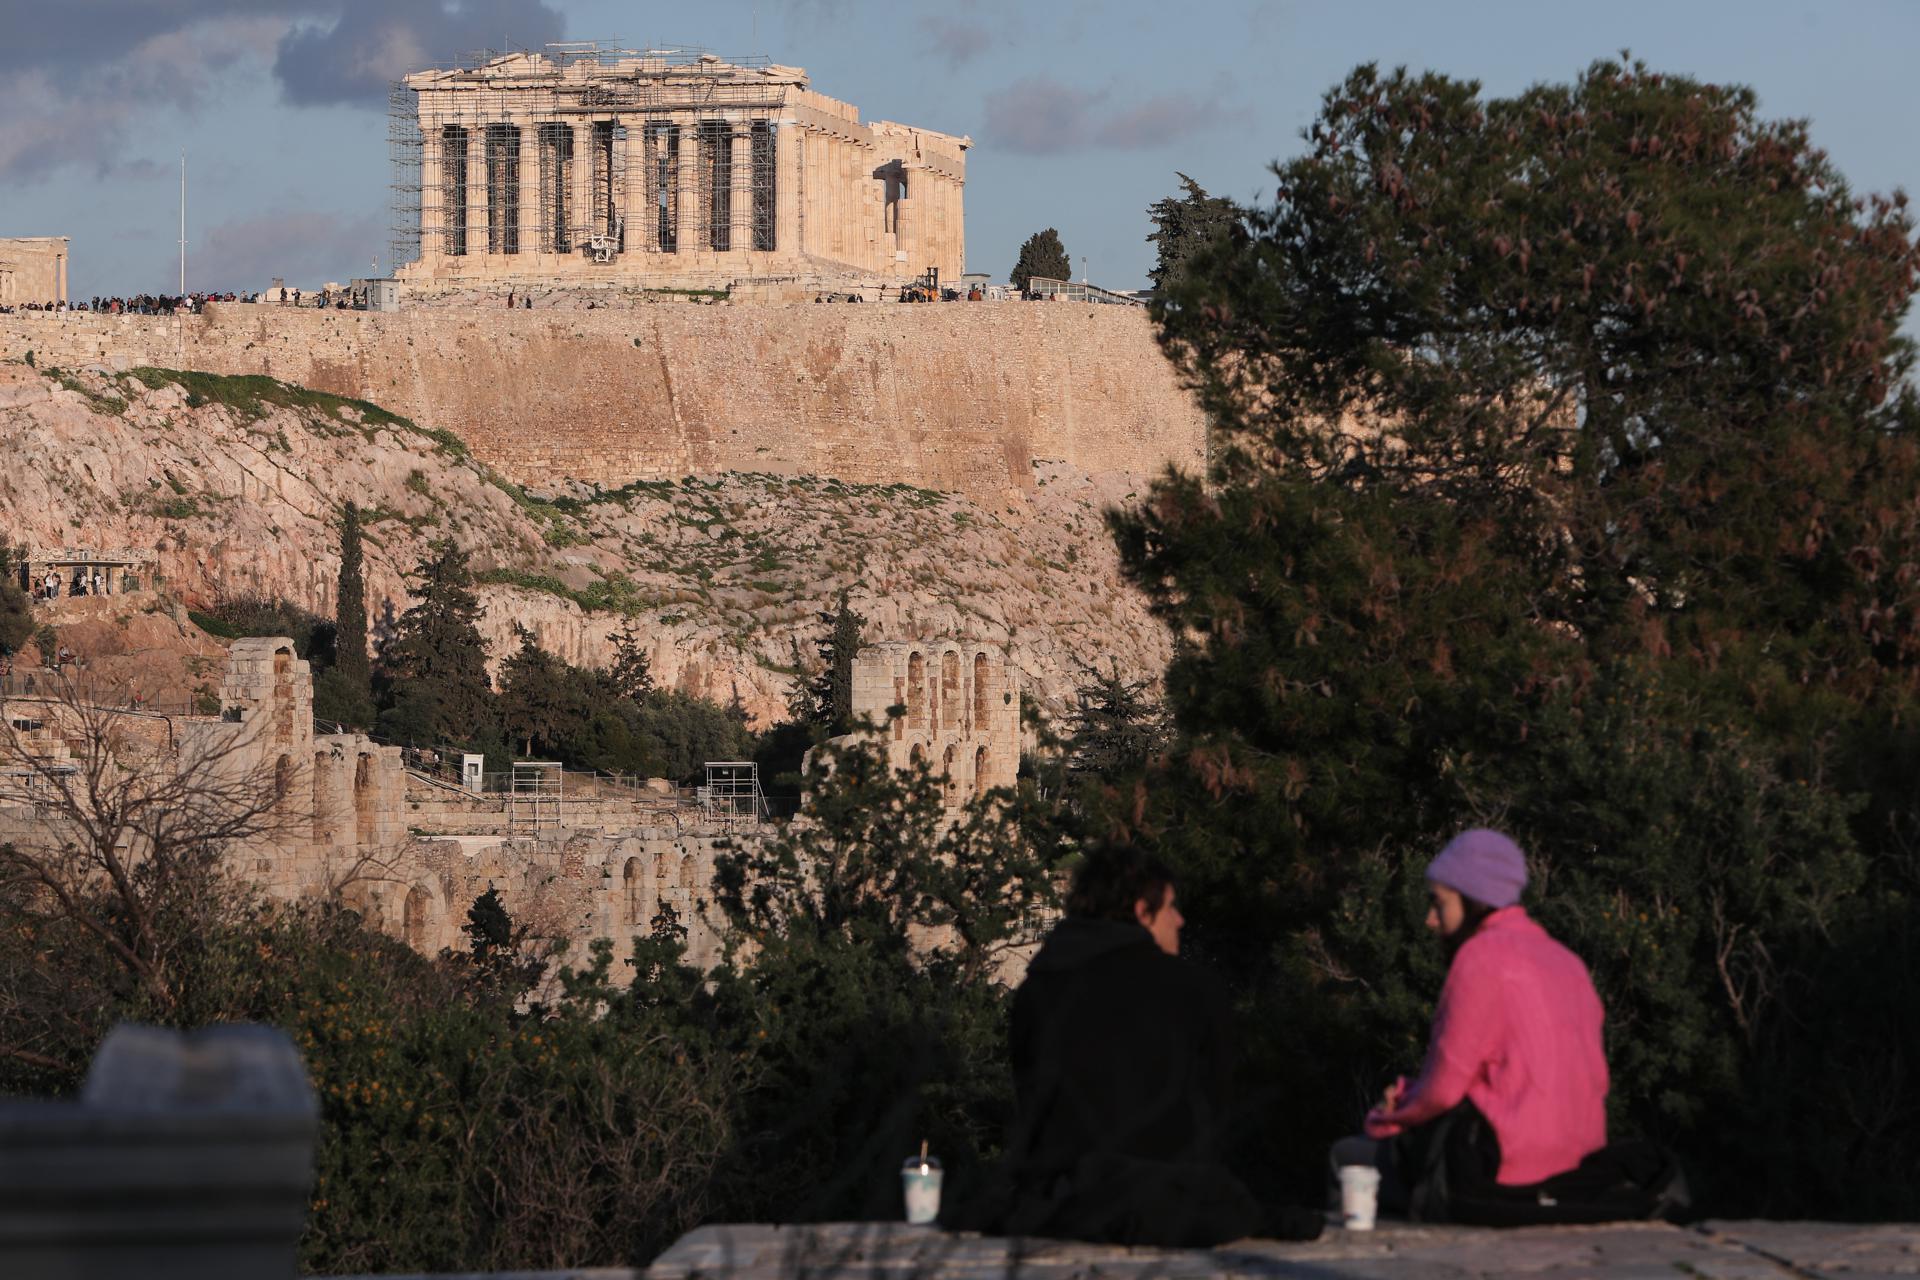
{"points": [[1081, 111]]}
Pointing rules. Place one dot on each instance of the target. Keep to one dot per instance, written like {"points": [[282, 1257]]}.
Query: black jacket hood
{"points": [[1075, 942]]}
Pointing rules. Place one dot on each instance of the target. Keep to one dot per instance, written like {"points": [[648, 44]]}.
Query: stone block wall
{"points": [[962, 716], [965, 397]]}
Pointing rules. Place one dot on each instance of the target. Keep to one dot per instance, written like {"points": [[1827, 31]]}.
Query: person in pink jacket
{"points": [[1514, 1089]]}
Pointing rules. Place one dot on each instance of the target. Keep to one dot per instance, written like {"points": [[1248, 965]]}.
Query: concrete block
{"points": [[187, 1155]]}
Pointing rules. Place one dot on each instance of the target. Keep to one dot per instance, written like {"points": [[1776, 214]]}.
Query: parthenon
{"points": [[583, 163]]}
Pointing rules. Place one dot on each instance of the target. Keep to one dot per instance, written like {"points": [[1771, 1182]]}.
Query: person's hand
{"points": [[1394, 1095], [1378, 1127]]}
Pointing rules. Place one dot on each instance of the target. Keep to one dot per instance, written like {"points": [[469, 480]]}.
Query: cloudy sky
{"points": [[1081, 111]]}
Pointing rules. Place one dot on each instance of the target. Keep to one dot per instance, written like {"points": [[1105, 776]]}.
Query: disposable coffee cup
{"points": [[1359, 1196], [920, 1181]]}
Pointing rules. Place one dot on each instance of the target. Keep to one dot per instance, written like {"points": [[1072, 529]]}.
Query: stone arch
{"points": [[950, 683], [917, 756], [981, 709], [916, 691], [980, 770], [415, 917], [322, 797], [363, 816], [631, 883], [949, 785]]}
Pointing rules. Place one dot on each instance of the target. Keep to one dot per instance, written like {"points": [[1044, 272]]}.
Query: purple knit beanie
{"points": [[1484, 865]]}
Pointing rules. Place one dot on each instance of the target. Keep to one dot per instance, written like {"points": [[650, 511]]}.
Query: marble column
{"points": [[433, 235], [787, 169], [586, 173], [740, 234], [690, 225], [635, 213], [529, 183], [477, 188]]}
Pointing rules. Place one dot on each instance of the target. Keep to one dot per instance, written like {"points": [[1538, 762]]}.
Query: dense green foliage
{"points": [[1185, 225], [435, 665], [1041, 254], [477, 1115], [1563, 480]]}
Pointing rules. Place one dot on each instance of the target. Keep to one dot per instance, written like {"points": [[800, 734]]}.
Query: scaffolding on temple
{"points": [[536, 151]]}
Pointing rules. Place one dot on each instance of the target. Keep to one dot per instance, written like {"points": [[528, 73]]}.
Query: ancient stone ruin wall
{"points": [[33, 269], [958, 396], [962, 710], [412, 854]]}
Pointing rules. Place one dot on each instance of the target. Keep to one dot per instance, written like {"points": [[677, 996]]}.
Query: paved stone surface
{"points": [[1830, 1250], [1622, 1251]]}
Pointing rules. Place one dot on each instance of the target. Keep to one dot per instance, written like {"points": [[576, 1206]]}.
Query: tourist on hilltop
{"points": [[1506, 1124], [1121, 1057]]}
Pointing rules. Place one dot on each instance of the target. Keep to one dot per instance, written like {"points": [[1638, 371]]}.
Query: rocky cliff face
{"points": [[237, 484]]}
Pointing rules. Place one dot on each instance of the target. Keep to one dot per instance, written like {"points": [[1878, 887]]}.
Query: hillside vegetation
{"points": [[238, 482]]}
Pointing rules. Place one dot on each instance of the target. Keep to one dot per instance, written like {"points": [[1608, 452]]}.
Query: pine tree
{"points": [[631, 675], [1042, 255], [436, 661], [542, 699], [1185, 225], [1116, 727], [1613, 561]]}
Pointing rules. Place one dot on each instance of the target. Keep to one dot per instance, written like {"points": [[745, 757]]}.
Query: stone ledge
{"points": [[1713, 1251]]}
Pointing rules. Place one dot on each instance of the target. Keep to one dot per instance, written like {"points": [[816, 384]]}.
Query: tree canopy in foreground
{"points": [[1563, 479]]}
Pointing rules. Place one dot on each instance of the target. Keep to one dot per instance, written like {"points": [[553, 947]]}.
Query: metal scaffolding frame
{"points": [[555, 179], [732, 794]]}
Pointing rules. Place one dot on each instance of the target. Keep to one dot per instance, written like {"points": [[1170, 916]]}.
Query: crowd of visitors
{"points": [[165, 304], [139, 304], [80, 582]]}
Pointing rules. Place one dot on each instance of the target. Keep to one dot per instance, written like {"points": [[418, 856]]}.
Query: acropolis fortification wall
{"points": [[957, 396]]}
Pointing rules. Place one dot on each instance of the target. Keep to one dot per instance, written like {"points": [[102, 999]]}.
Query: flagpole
{"points": [[183, 222]]}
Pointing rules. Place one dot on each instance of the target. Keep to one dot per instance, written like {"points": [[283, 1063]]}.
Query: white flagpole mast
{"points": [[183, 222]]}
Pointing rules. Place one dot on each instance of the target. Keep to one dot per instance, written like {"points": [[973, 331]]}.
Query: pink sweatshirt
{"points": [[1517, 1032]]}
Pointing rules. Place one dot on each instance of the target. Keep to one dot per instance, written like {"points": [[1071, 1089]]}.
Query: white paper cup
{"points": [[920, 1181], [1359, 1196]]}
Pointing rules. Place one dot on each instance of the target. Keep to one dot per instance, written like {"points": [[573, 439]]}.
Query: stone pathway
{"points": [[1623, 1251]]}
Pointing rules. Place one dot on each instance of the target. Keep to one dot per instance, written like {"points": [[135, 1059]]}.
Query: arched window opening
{"points": [[282, 777], [631, 883], [950, 700], [949, 785], [363, 800], [980, 704], [980, 772], [413, 925], [322, 797], [916, 692]]}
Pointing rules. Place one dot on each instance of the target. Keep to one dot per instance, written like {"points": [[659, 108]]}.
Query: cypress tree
{"points": [[833, 687], [350, 608]]}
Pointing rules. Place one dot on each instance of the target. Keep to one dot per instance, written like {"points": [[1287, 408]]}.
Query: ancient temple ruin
{"points": [[584, 163], [33, 269]]}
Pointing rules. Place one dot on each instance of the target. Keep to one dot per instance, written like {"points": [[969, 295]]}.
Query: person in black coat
{"points": [[1121, 1056]]}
